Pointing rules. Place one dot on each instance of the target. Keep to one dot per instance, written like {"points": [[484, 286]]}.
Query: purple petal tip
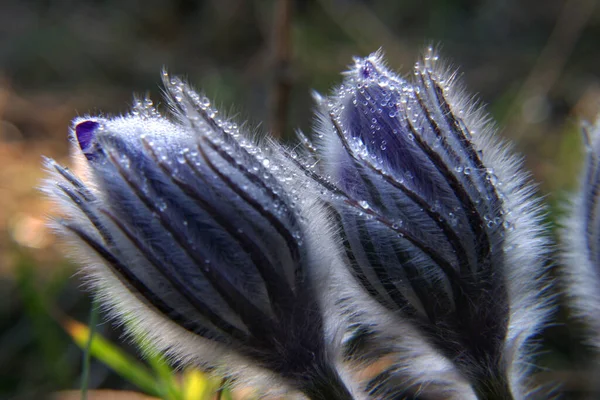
{"points": [[367, 70]]}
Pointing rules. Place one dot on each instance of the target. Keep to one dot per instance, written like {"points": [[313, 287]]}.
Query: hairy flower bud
{"points": [[197, 243], [581, 238], [438, 220]]}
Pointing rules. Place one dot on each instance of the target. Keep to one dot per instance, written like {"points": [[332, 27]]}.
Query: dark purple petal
{"points": [[85, 132]]}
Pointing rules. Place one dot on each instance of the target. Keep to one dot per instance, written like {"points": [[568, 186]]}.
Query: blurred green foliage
{"points": [[159, 380]]}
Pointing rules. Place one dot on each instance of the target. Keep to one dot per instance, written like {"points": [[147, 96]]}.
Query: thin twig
{"points": [[282, 55]]}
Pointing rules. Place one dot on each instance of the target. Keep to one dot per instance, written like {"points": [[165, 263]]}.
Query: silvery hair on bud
{"points": [[398, 257], [440, 228], [581, 239]]}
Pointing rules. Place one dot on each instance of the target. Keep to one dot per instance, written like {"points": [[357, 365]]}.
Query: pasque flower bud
{"points": [[438, 219], [196, 243]]}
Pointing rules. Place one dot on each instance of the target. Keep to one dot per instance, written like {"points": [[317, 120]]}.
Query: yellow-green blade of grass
{"points": [[113, 357], [165, 376]]}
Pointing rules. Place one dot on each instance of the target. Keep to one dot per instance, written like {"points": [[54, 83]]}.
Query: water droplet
{"points": [[492, 178], [397, 224], [181, 156], [453, 219], [162, 206], [206, 265], [508, 225], [364, 204]]}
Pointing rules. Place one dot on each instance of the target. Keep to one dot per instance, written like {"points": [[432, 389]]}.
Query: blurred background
{"points": [[535, 64]]}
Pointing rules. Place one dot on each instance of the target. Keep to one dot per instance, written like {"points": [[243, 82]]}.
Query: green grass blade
{"points": [[109, 354], [165, 375], [85, 373]]}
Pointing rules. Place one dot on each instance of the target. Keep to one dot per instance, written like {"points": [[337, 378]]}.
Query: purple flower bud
{"points": [[438, 220], [195, 241]]}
